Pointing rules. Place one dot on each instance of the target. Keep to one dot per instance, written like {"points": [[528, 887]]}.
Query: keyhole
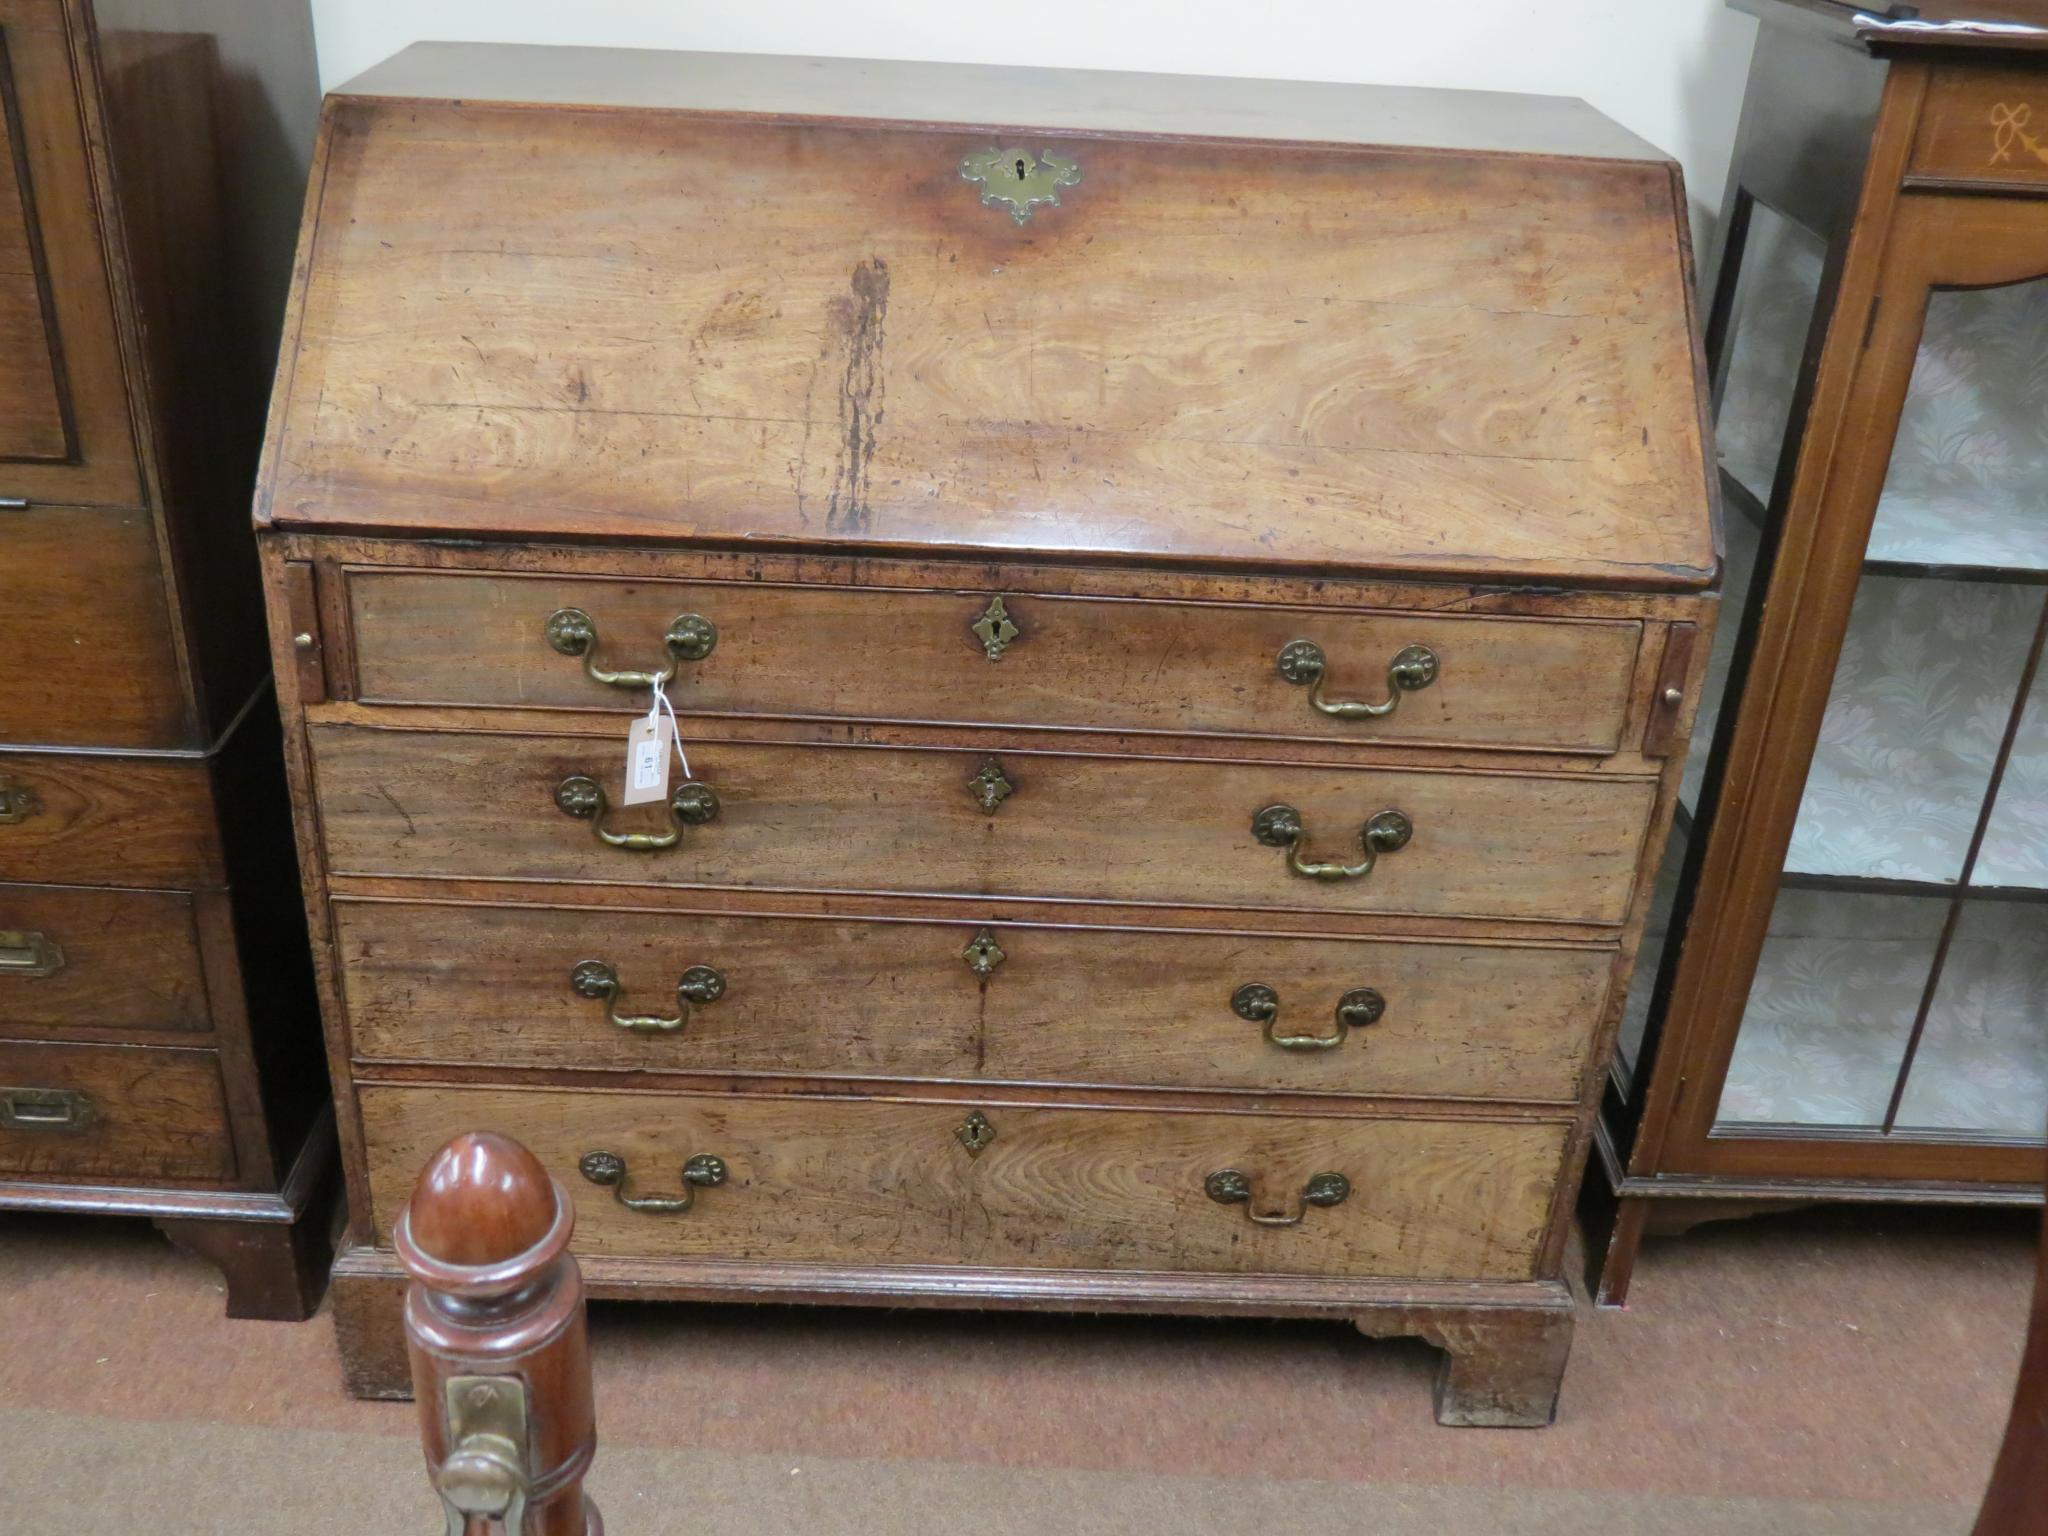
{"points": [[1020, 170]]}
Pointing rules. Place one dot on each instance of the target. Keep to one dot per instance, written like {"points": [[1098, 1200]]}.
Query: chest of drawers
{"points": [[1181, 599]]}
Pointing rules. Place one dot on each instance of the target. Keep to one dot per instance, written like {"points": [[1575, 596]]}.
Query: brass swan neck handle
{"points": [[1261, 1005], [693, 804], [573, 632], [1280, 826], [599, 981], [1303, 663], [608, 1170], [1227, 1186]]}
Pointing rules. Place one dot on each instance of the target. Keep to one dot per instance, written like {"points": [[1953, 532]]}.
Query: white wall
{"points": [[1671, 70]]}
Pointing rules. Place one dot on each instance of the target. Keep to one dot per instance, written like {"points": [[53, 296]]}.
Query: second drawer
{"points": [[966, 1002]]}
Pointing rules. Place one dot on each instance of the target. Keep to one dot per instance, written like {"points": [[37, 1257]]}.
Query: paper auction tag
{"points": [[647, 761]]}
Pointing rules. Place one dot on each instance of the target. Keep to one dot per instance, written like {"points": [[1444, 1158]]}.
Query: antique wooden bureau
{"points": [[1182, 600]]}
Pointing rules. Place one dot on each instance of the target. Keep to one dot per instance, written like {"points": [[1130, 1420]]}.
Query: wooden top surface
{"points": [[719, 320], [1928, 24]]}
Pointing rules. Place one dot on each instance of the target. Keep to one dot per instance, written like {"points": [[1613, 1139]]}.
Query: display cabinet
{"points": [[1844, 987]]}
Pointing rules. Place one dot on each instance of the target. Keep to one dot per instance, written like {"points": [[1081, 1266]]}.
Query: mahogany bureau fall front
{"points": [[1183, 601]]}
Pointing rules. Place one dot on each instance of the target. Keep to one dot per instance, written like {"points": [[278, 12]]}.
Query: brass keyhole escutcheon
{"points": [[983, 954], [995, 629], [1019, 180], [990, 787], [975, 1133]]}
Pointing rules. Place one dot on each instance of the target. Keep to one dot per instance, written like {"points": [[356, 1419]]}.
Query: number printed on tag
{"points": [[646, 762]]}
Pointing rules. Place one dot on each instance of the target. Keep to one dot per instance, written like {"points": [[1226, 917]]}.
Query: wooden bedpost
{"points": [[494, 1326]]}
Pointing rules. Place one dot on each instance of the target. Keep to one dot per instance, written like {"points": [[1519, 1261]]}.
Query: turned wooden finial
{"points": [[494, 1326]]}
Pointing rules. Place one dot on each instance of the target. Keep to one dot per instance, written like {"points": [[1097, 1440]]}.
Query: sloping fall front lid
{"points": [[594, 295]]}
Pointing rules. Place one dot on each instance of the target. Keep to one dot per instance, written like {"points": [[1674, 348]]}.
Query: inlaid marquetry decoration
{"points": [[2009, 134], [1020, 180]]}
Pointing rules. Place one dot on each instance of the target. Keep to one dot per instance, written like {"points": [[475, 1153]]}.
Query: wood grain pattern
{"points": [[887, 1183], [103, 820], [1091, 828], [35, 421], [898, 1000], [812, 651], [157, 1113], [131, 961], [1314, 379], [100, 467], [83, 589]]}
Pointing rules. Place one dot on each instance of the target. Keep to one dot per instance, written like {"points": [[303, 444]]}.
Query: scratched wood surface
{"points": [[896, 819], [130, 960], [655, 325], [489, 986], [140, 1112], [889, 1183], [807, 651]]}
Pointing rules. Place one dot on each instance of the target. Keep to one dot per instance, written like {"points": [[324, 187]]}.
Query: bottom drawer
{"points": [[113, 1112], [845, 1181]]}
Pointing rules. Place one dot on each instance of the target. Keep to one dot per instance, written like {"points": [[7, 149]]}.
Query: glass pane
{"points": [[1968, 484], [1775, 293], [1831, 1008], [2015, 851], [1983, 1059], [1921, 700]]}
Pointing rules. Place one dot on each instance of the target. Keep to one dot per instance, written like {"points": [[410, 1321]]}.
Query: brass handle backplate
{"points": [[573, 632], [597, 980], [1261, 1004], [1303, 663], [45, 1109], [1279, 826], [16, 803], [608, 1170], [692, 804], [1227, 1186], [24, 952]]}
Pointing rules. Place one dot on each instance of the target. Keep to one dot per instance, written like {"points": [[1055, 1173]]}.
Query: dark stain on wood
{"points": [[859, 319]]}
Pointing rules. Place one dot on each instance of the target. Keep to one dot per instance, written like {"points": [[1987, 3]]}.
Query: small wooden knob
{"points": [[482, 1199]]}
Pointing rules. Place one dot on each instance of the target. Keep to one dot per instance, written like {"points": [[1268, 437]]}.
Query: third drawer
{"points": [[1003, 1002]]}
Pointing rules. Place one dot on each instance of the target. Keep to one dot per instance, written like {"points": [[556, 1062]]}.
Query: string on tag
{"points": [[656, 707]]}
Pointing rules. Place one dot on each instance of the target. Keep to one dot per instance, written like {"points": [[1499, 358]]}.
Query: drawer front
{"points": [[851, 1181], [112, 1112], [1002, 1002], [899, 819], [1064, 662], [64, 430], [82, 604], [74, 959], [98, 820], [1985, 124]]}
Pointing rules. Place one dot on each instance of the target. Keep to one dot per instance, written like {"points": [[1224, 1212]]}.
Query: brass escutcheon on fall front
{"points": [[597, 980], [1227, 1186], [1303, 663], [1261, 1005], [608, 1171], [693, 804], [1279, 826], [1020, 180], [995, 629], [573, 632]]}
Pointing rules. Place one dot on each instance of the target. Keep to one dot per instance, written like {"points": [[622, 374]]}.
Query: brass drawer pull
{"points": [[1261, 1005], [1303, 663], [1227, 1186], [573, 632], [16, 803], [24, 952], [597, 980], [1279, 826], [583, 797], [45, 1109], [608, 1170]]}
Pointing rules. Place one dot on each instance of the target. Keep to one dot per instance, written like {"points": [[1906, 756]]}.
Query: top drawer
{"points": [[997, 658]]}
